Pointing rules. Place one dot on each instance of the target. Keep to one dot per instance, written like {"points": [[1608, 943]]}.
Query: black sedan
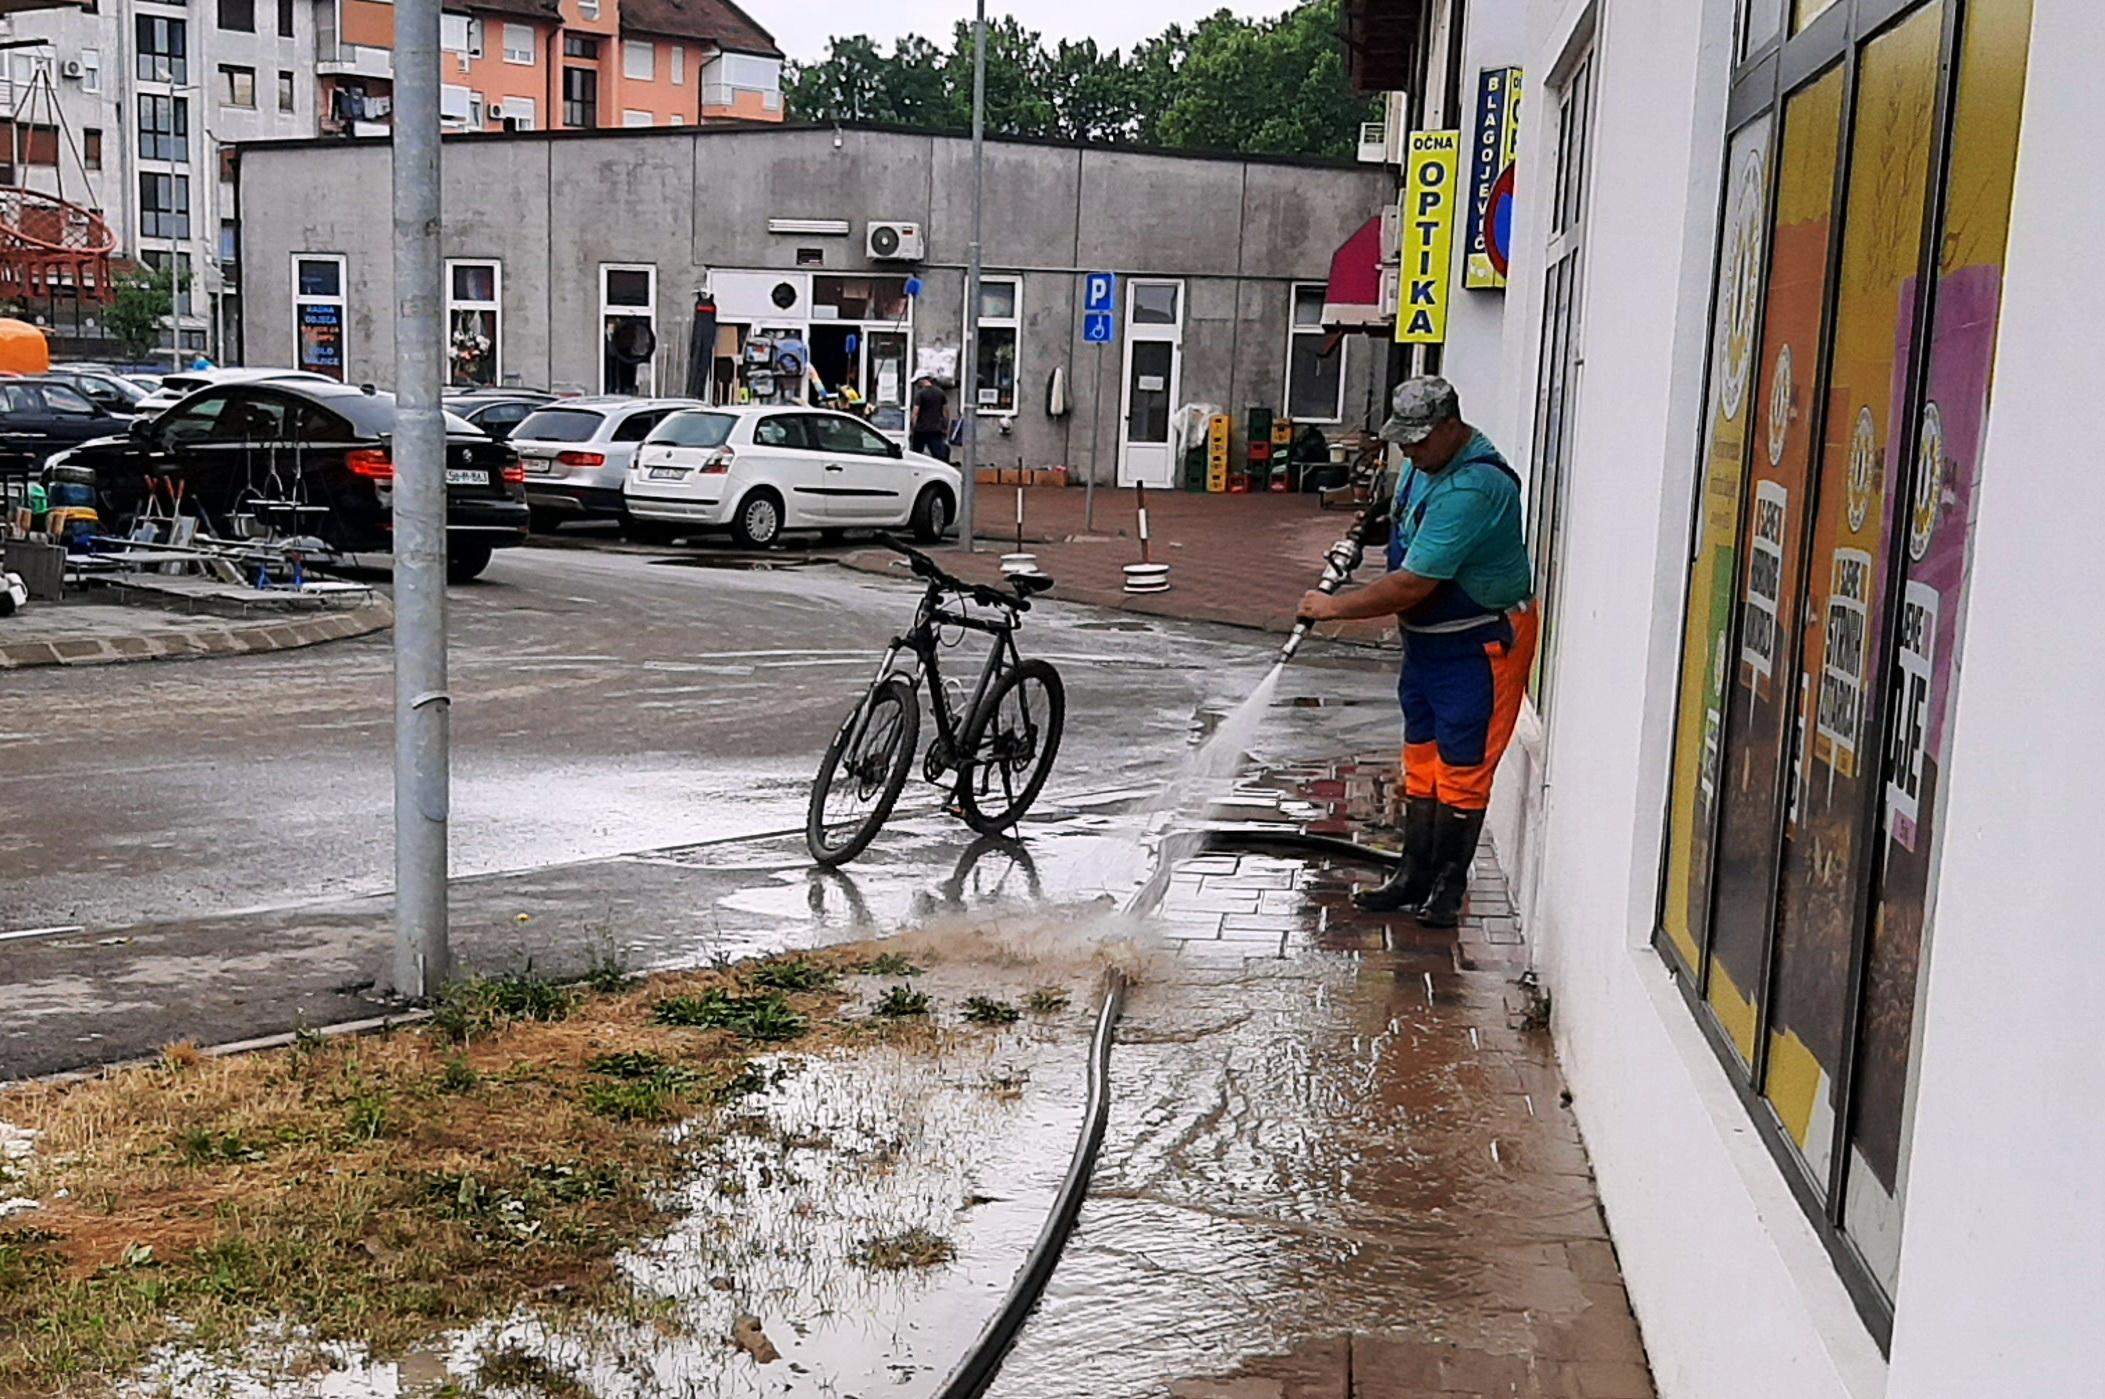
{"points": [[297, 459], [496, 411], [44, 415]]}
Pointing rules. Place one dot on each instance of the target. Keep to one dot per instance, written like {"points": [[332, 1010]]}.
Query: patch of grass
{"points": [[197, 1146], [513, 1367], [468, 1009], [902, 1002], [764, 1016], [458, 1076], [1047, 1000], [793, 974], [888, 964], [646, 1088], [985, 1010], [608, 973], [910, 1248]]}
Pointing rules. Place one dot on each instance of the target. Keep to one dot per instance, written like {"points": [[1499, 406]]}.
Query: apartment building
{"points": [[132, 107]]}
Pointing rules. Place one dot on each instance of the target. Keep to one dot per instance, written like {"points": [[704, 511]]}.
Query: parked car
{"points": [[307, 458], [577, 452], [100, 385], [758, 471], [41, 415], [497, 412], [173, 388]]}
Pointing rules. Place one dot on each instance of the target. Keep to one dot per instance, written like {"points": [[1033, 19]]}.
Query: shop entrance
{"points": [[1154, 369]]}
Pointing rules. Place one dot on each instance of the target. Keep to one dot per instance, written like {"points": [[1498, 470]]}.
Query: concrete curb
{"points": [[206, 637]]}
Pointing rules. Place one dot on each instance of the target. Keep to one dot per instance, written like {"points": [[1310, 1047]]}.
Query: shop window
{"points": [[1563, 331], [1000, 336], [1841, 461], [238, 16], [1315, 360], [163, 50], [164, 127], [237, 85], [639, 59], [474, 323], [318, 313], [164, 205], [628, 320], [519, 44]]}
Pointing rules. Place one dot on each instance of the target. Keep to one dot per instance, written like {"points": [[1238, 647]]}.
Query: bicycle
{"points": [[1009, 737]]}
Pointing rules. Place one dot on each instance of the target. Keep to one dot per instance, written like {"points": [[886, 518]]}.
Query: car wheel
{"points": [[466, 561], [758, 524], [931, 515]]}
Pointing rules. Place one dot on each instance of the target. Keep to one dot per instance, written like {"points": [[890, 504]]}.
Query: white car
{"points": [[174, 388], [758, 471], [577, 453]]}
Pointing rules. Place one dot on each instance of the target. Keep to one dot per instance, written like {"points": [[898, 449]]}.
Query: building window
{"points": [[639, 59], [238, 16], [163, 50], [632, 117], [628, 319], [237, 85], [285, 25], [582, 46], [1841, 457], [727, 75], [91, 147], [474, 342], [519, 44], [588, 9], [285, 90], [518, 112], [91, 70], [1556, 385], [460, 34], [164, 205], [580, 97], [229, 242], [456, 104], [678, 60], [318, 312], [164, 127], [1315, 360], [1000, 331]]}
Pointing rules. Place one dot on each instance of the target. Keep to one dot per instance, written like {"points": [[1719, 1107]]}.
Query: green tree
{"points": [[1092, 93], [137, 307]]}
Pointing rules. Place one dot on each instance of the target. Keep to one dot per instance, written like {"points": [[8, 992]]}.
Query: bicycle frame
{"points": [[924, 643]]}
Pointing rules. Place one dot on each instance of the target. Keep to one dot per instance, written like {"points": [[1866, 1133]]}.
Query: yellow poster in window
{"points": [[1428, 237]]}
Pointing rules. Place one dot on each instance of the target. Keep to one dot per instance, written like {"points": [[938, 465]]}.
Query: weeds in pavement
{"points": [[608, 971], [888, 964], [902, 1002], [513, 1367], [468, 1009], [1046, 1000], [910, 1248], [765, 1016], [793, 974], [985, 1010]]}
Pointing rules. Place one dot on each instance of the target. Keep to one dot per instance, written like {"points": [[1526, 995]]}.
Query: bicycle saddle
{"points": [[1029, 583]]}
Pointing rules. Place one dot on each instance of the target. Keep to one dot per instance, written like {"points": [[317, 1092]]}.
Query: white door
{"points": [[1154, 371], [863, 483]]}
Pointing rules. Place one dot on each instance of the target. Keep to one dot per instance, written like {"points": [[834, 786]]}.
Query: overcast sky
{"points": [[802, 27]]}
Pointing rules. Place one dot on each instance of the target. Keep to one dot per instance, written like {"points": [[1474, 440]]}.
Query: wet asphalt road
{"points": [[222, 829]]}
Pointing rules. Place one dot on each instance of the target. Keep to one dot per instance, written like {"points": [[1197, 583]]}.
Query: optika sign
{"points": [[1428, 237]]}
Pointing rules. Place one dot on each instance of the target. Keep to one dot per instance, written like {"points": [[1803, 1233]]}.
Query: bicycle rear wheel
{"points": [[1009, 747], [864, 770]]}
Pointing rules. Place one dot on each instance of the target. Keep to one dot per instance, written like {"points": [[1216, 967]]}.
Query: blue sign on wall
{"points": [[1099, 328], [1100, 292]]}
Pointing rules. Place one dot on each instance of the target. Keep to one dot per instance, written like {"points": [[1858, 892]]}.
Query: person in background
{"points": [[931, 423], [1460, 585]]}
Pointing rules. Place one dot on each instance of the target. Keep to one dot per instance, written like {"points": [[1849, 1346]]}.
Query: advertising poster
{"points": [[1428, 236], [1494, 144], [322, 338]]}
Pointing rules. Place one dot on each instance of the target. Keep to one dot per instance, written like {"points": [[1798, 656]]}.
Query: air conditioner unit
{"points": [[72, 68], [897, 242]]}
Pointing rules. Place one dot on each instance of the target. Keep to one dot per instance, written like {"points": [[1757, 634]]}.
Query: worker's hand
{"points": [[1318, 607]]}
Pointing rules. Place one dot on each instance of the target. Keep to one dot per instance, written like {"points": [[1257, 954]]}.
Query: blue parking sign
{"points": [[1100, 292], [1098, 328]]}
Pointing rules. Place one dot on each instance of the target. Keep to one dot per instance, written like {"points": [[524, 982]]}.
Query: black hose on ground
{"points": [[981, 1363], [1260, 841]]}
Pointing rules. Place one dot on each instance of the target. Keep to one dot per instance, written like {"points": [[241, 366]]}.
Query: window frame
{"points": [[1296, 331], [631, 51], [302, 300], [150, 32], [1012, 326], [287, 25], [288, 91], [648, 311], [493, 307], [229, 83], [512, 29], [241, 13], [91, 70], [164, 126], [177, 208]]}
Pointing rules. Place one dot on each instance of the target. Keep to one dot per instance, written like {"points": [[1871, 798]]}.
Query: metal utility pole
{"points": [[968, 372], [423, 958]]}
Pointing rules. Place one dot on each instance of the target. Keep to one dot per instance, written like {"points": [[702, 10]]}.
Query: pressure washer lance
{"points": [[1339, 565]]}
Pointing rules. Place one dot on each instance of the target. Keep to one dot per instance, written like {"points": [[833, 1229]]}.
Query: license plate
{"points": [[539, 466], [667, 473], [462, 476]]}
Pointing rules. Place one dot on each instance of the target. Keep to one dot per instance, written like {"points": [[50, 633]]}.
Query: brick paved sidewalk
{"points": [[1242, 560], [1515, 1288]]}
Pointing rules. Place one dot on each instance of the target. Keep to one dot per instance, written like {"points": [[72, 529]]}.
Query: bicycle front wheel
{"points": [[1009, 747], [865, 768]]}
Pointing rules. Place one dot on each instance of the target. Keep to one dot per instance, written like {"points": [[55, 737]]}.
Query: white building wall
{"points": [[1495, 36]]}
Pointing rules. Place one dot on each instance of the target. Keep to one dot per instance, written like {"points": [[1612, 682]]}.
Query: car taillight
{"points": [[580, 459], [513, 472], [718, 462], [370, 462]]}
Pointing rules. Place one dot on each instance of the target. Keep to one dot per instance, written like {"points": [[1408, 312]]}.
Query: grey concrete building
{"points": [[558, 242]]}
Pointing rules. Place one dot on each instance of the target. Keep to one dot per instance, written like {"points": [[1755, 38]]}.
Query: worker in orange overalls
{"points": [[1461, 586]]}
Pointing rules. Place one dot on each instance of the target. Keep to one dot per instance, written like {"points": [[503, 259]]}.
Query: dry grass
{"points": [[372, 1190]]}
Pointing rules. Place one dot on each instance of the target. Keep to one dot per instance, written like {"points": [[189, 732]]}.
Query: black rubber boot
{"points": [[1454, 842], [1413, 880]]}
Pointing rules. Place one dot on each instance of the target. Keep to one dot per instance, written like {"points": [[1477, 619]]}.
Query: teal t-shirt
{"points": [[1469, 530]]}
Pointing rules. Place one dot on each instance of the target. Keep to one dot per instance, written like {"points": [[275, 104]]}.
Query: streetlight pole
{"points": [[968, 377], [422, 960]]}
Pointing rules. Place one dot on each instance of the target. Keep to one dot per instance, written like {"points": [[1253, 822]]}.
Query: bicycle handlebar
{"points": [[926, 567]]}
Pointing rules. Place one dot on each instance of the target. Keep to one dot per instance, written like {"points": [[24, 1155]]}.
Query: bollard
{"points": [[1147, 576]]}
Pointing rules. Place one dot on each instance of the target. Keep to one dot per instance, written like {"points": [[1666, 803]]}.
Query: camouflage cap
{"points": [[1418, 406]]}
